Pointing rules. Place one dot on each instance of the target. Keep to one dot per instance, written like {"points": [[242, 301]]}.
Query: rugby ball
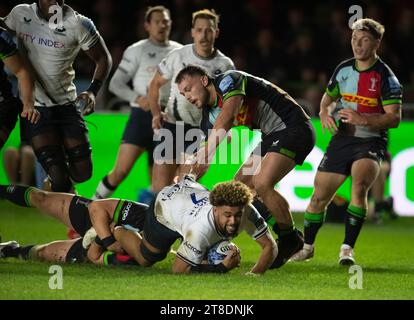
{"points": [[219, 251]]}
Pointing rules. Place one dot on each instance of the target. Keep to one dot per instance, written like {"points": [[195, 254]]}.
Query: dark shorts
{"points": [[76, 253], [9, 111], [131, 213], [157, 234], [343, 151], [294, 142], [176, 143], [65, 120], [138, 131], [79, 215]]}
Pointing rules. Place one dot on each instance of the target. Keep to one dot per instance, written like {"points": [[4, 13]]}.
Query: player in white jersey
{"points": [[50, 35], [201, 218], [138, 65], [180, 116]]}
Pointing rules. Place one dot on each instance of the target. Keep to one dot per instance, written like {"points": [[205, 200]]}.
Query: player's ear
{"points": [[217, 33], [204, 81], [146, 26]]}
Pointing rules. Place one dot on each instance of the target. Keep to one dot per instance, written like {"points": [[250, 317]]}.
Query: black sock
{"points": [[313, 222], [380, 206], [106, 183], [19, 252], [353, 223], [17, 194], [266, 214]]}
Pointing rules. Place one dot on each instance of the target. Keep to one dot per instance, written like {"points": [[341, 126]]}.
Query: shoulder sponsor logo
{"points": [[191, 247], [225, 83], [126, 211], [364, 101], [152, 54], [26, 20]]}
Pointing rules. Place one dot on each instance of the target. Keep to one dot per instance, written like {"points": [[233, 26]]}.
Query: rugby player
{"points": [[80, 214], [366, 98], [180, 116], [10, 106], [51, 43], [238, 98], [138, 65], [187, 210]]}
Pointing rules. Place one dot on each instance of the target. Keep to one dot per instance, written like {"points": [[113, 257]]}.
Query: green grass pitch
{"points": [[384, 252]]}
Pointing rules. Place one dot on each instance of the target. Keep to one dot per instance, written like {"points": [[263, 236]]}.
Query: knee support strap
{"points": [[79, 153]]}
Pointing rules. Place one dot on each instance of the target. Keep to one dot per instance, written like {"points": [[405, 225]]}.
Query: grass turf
{"points": [[383, 251]]}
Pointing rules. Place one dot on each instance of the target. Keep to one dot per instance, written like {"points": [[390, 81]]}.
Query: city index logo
{"points": [[364, 101]]}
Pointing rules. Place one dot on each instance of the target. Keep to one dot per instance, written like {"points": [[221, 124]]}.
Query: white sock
{"points": [[102, 191]]}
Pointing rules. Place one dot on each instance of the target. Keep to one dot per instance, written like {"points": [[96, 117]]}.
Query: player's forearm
{"points": [[382, 121], [100, 220], [153, 98], [103, 61], [267, 256], [326, 104], [26, 86], [119, 86], [129, 240]]}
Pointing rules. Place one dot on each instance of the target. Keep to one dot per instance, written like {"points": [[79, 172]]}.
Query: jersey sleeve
{"points": [[166, 66], [232, 84], [391, 90], [126, 70], [332, 89], [12, 19], [193, 248], [255, 226], [88, 35], [7, 46]]}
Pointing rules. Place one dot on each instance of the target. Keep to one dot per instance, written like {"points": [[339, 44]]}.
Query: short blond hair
{"points": [[151, 10], [375, 28], [206, 14], [230, 193]]}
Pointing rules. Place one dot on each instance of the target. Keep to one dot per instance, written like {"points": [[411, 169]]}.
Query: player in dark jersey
{"points": [[238, 98], [80, 214], [367, 99], [10, 106], [64, 251]]}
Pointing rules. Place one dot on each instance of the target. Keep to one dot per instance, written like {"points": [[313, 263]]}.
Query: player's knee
{"points": [[80, 161], [51, 156], [359, 189], [246, 179], [318, 203], [81, 173], [261, 186]]}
